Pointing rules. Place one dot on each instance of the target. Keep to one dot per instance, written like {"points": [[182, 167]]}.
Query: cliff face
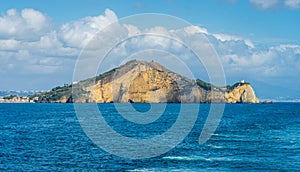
{"points": [[148, 85], [145, 82], [241, 94]]}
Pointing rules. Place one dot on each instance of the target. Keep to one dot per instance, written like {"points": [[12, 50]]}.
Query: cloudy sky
{"points": [[256, 40]]}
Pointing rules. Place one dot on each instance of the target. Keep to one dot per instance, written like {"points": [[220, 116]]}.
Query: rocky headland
{"points": [[146, 82]]}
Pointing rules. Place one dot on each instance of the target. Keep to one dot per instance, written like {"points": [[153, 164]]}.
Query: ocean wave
{"points": [[215, 147], [186, 158], [198, 158]]}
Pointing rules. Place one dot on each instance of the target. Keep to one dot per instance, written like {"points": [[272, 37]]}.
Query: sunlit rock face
{"points": [[148, 82], [242, 94]]}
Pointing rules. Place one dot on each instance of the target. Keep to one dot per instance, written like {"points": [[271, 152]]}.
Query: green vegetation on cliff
{"points": [[54, 95], [9, 97]]}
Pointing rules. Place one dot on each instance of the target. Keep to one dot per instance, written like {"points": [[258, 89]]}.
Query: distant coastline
{"points": [[15, 99]]}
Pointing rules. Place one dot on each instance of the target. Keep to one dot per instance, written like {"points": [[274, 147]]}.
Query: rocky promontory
{"points": [[242, 93], [146, 82]]}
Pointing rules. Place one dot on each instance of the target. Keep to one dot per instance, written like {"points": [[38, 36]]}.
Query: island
{"points": [[145, 82]]}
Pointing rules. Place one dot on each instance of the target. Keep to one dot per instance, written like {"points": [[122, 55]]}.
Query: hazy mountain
{"points": [[17, 92]]}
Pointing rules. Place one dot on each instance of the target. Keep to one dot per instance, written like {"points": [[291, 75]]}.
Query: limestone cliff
{"points": [[145, 82], [243, 93]]}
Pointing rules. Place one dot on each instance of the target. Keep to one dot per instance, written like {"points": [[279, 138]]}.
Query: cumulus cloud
{"points": [[240, 57], [28, 24], [277, 61], [79, 33], [30, 44], [195, 29], [225, 37], [9, 44]]}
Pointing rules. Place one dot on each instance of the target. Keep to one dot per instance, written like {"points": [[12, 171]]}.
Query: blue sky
{"points": [[272, 25], [262, 36]]}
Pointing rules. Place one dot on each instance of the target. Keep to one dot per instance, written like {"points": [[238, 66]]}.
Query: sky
{"points": [[257, 40]]}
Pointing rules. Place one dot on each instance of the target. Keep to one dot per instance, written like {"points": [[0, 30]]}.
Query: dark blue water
{"points": [[48, 137]]}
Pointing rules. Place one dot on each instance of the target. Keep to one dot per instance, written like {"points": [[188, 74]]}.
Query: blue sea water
{"points": [[250, 137]]}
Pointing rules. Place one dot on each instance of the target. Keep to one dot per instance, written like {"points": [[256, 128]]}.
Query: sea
{"points": [[248, 137]]}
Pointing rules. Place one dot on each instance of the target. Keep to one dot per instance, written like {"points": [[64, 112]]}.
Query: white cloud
{"points": [[224, 37], [265, 4], [11, 12], [29, 24], [50, 45], [292, 4], [270, 4], [249, 43], [240, 57], [78, 33], [277, 61], [9, 44], [132, 30], [31, 45], [34, 20], [195, 29]]}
